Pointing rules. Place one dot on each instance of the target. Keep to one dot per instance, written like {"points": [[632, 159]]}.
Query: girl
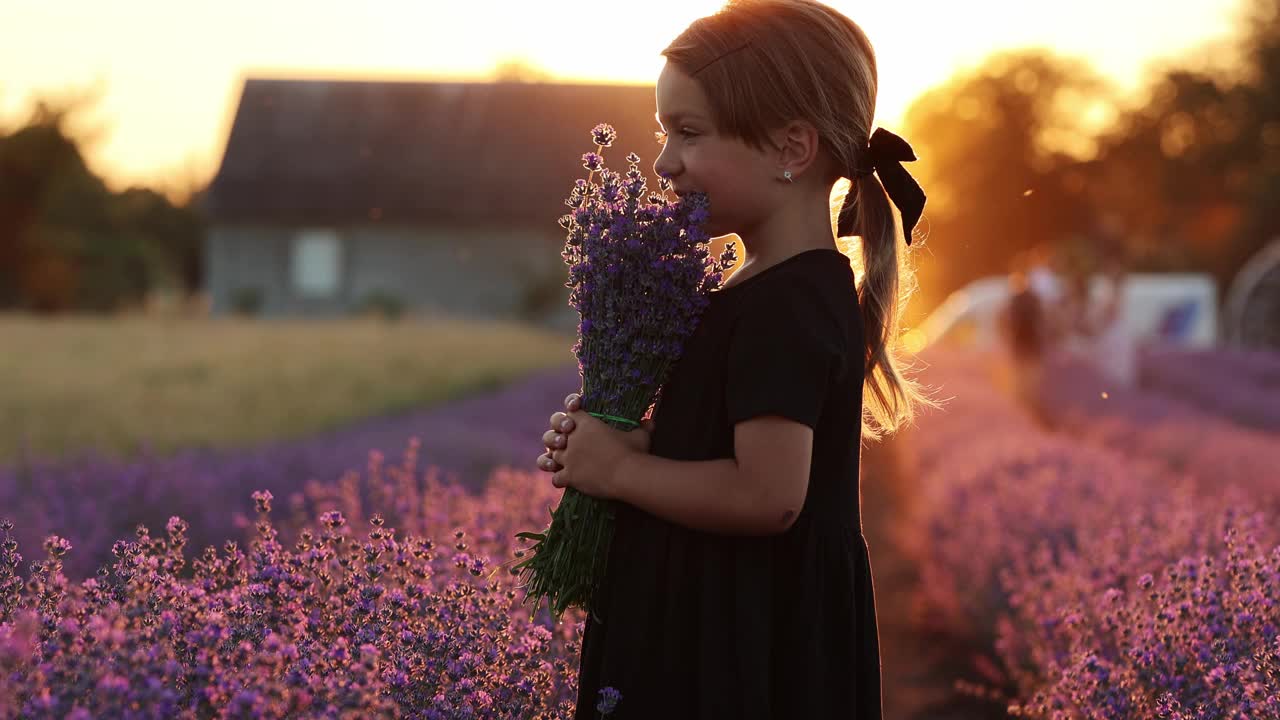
{"points": [[739, 582]]}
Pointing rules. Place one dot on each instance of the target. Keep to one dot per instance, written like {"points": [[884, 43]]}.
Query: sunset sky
{"points": [[169, 73]]}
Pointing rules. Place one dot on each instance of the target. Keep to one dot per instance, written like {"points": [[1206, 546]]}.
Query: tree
{"points": [[521, 71], [66, 241], [41, 174], [999, 149], [1261, 221], [1191, 173]]}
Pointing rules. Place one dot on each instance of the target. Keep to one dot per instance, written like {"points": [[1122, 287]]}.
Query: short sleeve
{"points": [[784, 351]]}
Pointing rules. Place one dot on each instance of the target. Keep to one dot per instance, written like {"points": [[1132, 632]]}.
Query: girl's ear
{"points": [[796, 145]]}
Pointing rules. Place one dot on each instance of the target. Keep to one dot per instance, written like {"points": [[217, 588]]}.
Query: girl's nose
{"points": [[662, 167]]}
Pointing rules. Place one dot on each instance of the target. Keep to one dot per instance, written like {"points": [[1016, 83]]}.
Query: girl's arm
{"points": [[707, 495]]}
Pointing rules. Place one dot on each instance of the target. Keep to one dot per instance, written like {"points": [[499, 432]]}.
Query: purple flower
{"points": [[1111, 567], [639, 276], [56, 546], [603, 135], [608, 700], [262, 501]]}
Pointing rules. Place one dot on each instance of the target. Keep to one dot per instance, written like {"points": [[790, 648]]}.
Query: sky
{"points": [[167, 74]]}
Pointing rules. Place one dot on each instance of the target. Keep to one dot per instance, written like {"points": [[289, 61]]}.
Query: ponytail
{"points": [[889, 397]]}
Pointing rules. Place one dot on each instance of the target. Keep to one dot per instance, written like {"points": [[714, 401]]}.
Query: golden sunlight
{"points": [[169, 73]]}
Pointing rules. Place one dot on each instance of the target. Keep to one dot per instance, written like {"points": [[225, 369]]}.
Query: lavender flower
{"points": [[1084, 583], [608, 700], [363, 615], [639, 274], [604, 135]]}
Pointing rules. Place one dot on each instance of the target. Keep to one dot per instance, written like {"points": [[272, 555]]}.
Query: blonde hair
{"points": [[763, 63]]}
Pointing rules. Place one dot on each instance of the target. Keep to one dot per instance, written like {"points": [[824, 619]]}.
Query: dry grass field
{"points": [[112, 383]]}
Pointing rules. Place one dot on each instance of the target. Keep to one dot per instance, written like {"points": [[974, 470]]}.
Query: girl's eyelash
{"points": [[661, 135]]}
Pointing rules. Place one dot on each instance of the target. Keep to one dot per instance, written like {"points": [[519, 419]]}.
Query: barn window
{"points": [[316, 262]]}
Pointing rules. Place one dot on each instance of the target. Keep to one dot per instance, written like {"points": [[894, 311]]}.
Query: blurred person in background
{"points": [[1044, 280], [1027, 334]]}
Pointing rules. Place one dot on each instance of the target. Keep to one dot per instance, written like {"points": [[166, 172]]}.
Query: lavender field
{"points": [[1239, 385], [1121, 563], [1119, 560], [92, 498]]}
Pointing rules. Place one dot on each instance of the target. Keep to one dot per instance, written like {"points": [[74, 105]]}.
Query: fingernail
{"points": [[566, 424]]}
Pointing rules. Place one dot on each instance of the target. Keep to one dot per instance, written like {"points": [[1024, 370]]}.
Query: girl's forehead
{"points": [[679, 96]]}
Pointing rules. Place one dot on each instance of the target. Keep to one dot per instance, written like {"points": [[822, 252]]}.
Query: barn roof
{"points": [[344, 150]]}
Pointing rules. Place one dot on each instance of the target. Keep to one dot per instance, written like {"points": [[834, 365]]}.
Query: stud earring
{"points": [[787, 174]]}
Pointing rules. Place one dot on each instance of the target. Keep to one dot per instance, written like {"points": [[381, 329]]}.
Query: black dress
{"points": [[711, 626]]}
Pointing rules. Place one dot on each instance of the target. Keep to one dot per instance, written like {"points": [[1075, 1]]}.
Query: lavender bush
{"points": [[1242, 386], [1157, 619], [1079, 403], [639, 274], [91, 500], [1039, 557], [985, 502], [367, 614]]}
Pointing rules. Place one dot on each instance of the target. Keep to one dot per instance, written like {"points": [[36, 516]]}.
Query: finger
{"points": [[556, 480], [549, 438], [546, 463], [562, 422], [573, 401]]}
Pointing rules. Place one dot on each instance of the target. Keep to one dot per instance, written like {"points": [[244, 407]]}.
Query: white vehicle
{"points": [[1168, 309]]}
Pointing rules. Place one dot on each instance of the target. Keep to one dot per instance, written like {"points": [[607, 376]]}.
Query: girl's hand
{"points": [[589, 463], [558, 436]]}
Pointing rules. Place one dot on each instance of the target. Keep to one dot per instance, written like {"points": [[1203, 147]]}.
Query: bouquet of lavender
{"points": [[639, 274]]}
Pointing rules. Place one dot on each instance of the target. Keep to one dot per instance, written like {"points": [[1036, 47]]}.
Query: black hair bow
{"points": [[884, 154]]}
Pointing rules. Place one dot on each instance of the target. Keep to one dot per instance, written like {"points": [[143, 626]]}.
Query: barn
{"points": [[341, 196]]}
